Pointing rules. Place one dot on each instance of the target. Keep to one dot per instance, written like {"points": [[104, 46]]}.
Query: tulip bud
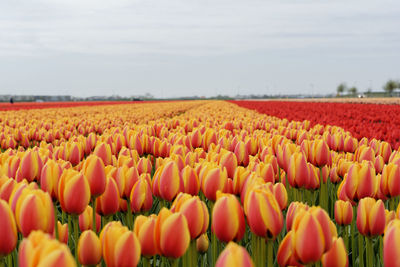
{"points": [[71, 185], [108, 202], [62, 232], [144, 228], [227, 218], [141, 197], [93, 169], [89, 248], [174, 236], [234, 255], [49, 178], [343, 212], [391, 242], [336, 256], [213, 180], [202, 243], [370, 217], [8, 229]]}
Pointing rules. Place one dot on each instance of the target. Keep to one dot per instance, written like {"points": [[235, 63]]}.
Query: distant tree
{"points": [[353, 90], [390, 86], [341, 88]]}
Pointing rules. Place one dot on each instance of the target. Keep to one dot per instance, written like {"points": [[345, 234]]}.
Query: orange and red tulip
{"points": [[298, 172], [228, 218], [49, 178], [336, 256], [391, 241], [108, 202], [234, 255], [343, 212], [8, 229], [263, 213], [86, 220], [190, 179], [34, 211], [174, 235], [141, 197], [93, 169], [30, 167], [214, 179], [144, 228], [89, 248], [119, 245], [202, 243], [62, 232], [71, 185], [371, 219], [390, 180], [167, 181]]}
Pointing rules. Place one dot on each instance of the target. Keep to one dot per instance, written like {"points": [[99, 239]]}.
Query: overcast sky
{"points": [[183, 47]]}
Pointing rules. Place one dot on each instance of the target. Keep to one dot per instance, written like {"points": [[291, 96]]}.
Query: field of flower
{"points": [[369, 120], [197, 183]]}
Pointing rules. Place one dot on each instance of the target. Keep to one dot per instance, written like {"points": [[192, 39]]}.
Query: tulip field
{"points": [[199, 183]]}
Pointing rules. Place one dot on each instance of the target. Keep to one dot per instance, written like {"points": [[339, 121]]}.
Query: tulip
{"points": [[128, 176], [390, 180], [343, 212], [263, 213], [93, 169], [234, 255], [7, 188], [62, 230], [34, 211], [120, 246], [39, 249], [202, 243], [141, 198], [89, 248], [286, 254], [71, 185], [191, 184], [30, 167], [293, 210], [214, 179], [336, 256], [144, 228], [167, 181], [227, 218], [103, 151], [108, 202], [228, 160], [242, 154], [298, 173], [50, 177], [360, 181], [370, 217], [144, 166], [86, 220], [391, 242], [196, 214], [8, 229], [174, 236]]}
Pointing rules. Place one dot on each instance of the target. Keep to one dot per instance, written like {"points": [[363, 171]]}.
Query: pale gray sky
{"points": [[185, 47]]}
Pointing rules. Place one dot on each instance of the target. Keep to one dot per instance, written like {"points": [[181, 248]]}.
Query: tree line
{"points": [[389, 87]]}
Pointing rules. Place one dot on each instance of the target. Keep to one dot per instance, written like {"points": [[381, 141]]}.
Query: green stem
{"points": [[146, 262], [353, 243], [55, 219], [270, 256], [173, 262], [10, 260], [76, 235], [70, 232], [370, 252], [129, 220], [214, 249], [381, 248], [94, 215], [360, 249]]}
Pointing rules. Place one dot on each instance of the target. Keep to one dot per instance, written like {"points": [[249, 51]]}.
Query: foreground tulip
{"points": [[120, 246], [89, 248], [34, 211], [144, 228], [391, 241], [86, 220], [108, 202], [202, 243], [336, 256], [286, 254], [8, 229], [263, 213], [174, 236], [234, 255], [62, 230], [39, 249], [49, 178], [73, 192], [214, 179], [141, 198], [371, 217], [227, 218], [166, 181]]}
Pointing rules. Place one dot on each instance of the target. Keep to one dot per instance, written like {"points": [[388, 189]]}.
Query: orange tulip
{"points": [[391, 242], [191, 184], [360, 181], [141, 197], [39, 249], [336, 256], [8, 229], [286, 254], [50, 177], [263, 213], [195, 212], [173, 236], [144, 228], [202, 243], [62, 232], [93, 169], [103, 151], [390, 180], [120, 246], [108, 202], [234, 255], [167, 181], [213, 179], [127, 176], [89, 248], [343, 212], [298, 172], [227, 218], [371, 217], [86, 220], [228, 160], [319, 153], [30, 167], [34, 211]]}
